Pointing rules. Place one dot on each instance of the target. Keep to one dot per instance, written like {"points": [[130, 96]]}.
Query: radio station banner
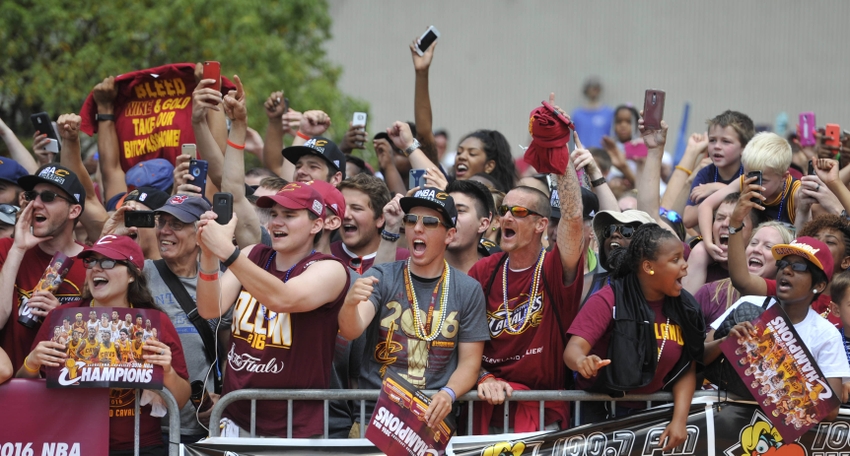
{"points": [[398, 422], [42, 421], [104, 347], [781, 374]]}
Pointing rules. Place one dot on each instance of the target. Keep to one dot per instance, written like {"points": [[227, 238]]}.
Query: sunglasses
{"points": [[625, 230], [46, 196], [105, 263], [429, 221], [517, 211], [176, 225], [796, 267]]}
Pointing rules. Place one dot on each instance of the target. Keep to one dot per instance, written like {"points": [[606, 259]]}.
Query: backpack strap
{"points": [[190, 307]]}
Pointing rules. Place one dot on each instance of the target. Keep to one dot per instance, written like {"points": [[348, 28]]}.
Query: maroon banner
{"points": [[104, 347], [398, 422], [42, 421], [781, 374]]}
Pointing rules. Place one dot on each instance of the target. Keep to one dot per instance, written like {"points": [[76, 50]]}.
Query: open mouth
{"points": [[723, 239], [783, 284], [419, 246], [461, 169], [279, 234], [755, 264], [508, 233], [99, 282], [349, 228], [39, 218], [614, 245]]}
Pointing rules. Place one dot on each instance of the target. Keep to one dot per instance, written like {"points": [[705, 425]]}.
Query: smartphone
{"points": [[426, 40], [42, 124], [285, 105], [635, 149], [560, 117], [359, 119], [223, 207], [212, 70], [834, 131], [198, 170], [190, 150], [757, 174], [416, 178], [807, 129], [653, 108], [141, 219], [811, 168]]}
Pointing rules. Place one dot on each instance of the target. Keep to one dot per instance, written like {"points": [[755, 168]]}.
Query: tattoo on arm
{"points": [[569, 193]]}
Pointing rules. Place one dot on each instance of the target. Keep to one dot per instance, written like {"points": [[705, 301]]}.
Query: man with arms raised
{"points": [[423, 318]]}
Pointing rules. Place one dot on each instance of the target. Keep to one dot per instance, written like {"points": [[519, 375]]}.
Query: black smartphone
{"points": [[811, 168], [42, 124], [223, 207], [757, 174], [198, 171], [141, 219]]}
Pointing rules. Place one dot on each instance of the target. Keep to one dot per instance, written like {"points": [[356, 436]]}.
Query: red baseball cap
{"points": [[332, 196], [116, 248], [809, 248], [295, 196]]}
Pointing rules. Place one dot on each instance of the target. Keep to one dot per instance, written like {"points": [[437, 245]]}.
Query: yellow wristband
{"points": [[27, 367], [686, 170]]}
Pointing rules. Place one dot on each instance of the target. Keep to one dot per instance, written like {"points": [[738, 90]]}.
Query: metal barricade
{"points": [[372, 395], [173, 421]]}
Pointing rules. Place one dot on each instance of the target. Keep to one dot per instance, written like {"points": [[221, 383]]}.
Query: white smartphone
{"points": [[359, 119], [427, 39], [190, 150]]}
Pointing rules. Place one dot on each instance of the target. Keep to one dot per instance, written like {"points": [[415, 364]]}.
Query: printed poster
{"points": [[781, 374], [398, 423], [104, 346]]}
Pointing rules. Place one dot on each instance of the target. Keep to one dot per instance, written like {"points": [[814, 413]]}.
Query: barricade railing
{"points": [[173, 421], [470, 398]]}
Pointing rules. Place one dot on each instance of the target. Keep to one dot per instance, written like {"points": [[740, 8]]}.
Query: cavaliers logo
{"points": [[178, 199], [441, 196], [290, 187]]}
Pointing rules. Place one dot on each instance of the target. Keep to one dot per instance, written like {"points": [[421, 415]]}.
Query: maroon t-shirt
{"points": [[16, 338], [365, 262], [594, 324], [122, 402], [534, 355], [281, 351]]}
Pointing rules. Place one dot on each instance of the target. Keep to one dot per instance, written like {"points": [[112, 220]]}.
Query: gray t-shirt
{"points": [[193, 345], [427, 365]]}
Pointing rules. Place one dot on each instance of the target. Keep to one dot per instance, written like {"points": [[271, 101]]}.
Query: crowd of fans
{"points": [[330, 273]]}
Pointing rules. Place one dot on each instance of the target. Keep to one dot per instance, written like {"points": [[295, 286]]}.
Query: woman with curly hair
{"points": [[486, 151]]}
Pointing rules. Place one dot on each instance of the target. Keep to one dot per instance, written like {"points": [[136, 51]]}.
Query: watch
{"points": [[733, 230], [598, 182], [103, 117], [412, 147]]}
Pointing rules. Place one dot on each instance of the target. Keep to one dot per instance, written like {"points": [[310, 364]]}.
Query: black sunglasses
{"points": [[105, 263], [517, 211], [46, 196], [625, 230], [796, 267], [429, 221]]}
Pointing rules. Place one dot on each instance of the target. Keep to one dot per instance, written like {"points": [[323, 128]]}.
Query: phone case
{"points": [[653, 109], [223, 207], [807, 129], [757, 182], [198, 170], [635, 149], [141, 219], [835, 131], [212, 70]]}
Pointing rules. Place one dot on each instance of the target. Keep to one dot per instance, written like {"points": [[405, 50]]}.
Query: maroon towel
{"points": [[548, 152]]}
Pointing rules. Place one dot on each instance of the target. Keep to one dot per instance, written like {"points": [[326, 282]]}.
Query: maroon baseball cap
{"points": [[332, 196], [295, 196], [809, 248], [116, 248]]}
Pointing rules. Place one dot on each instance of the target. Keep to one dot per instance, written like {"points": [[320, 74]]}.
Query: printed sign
{"points": [[104, 346], [781, 374], [398, 422]]}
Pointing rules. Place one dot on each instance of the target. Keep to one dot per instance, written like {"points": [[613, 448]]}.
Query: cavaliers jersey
{"points": [[87, 352], [108, 354], [72, 348], [125, 349]]}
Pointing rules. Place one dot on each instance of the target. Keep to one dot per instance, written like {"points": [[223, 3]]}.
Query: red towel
{"points": [[526, 415], [548, 152]]}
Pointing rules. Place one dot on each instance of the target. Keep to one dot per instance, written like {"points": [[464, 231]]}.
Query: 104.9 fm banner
{"points": [[105, 348]]}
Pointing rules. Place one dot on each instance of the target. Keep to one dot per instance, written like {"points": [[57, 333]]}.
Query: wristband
{"points": [[233, 256], [27, 367], [392, 237], [206, 277], [484, 377], [450, 392], [104, 117], [235, 146], [302, 135], [598, 182], [686, 170]]}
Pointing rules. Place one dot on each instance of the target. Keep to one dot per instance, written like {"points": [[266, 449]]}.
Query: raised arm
{"points": [[742, 280], [273, 143], [17, 150], [676, 195], [401, 136], [95, 214], [422, 101], [569, 245], [357, 311], [583, 159], [206, 112], [827, 170], [392, 224], [108, 150], [648, 186]]}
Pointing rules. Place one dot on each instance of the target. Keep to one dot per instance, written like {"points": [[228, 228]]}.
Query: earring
{"points": [[651, 272], [815, 290], [495, 228]]}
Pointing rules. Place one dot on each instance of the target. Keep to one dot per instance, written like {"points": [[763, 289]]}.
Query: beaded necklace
{"points": [[273, 314], [532, 293], [664, 338], [717, 174], [420, 330]]}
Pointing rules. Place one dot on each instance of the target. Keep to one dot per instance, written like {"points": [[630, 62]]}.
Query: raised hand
{"points": [[234, 102], [315, 123], [400, 135], [275, 105], [422, 62], [204, 97], [654, 139], [69, 126]]}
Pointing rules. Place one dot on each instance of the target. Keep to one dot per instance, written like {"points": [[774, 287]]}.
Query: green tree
{"points": [[52, 52]]}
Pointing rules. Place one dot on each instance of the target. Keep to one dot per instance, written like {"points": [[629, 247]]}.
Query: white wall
{"points": [[496, 60]]}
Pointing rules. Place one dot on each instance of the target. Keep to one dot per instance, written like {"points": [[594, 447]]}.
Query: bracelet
{"points": [[302, 135], [235, 146], [206, 277], [392, 237], [27, 367], [598, 182], [484, 377], [233, 256], [686, 170], [450, 392]]}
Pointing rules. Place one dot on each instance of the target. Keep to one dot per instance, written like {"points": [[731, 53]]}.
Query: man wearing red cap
{"points": [[286, 298], [532, 297]]}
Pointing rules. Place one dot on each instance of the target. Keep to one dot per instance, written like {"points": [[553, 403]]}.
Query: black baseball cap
{"points": [[60, 176], [432, 198], [589, 203], [321, 146]]}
